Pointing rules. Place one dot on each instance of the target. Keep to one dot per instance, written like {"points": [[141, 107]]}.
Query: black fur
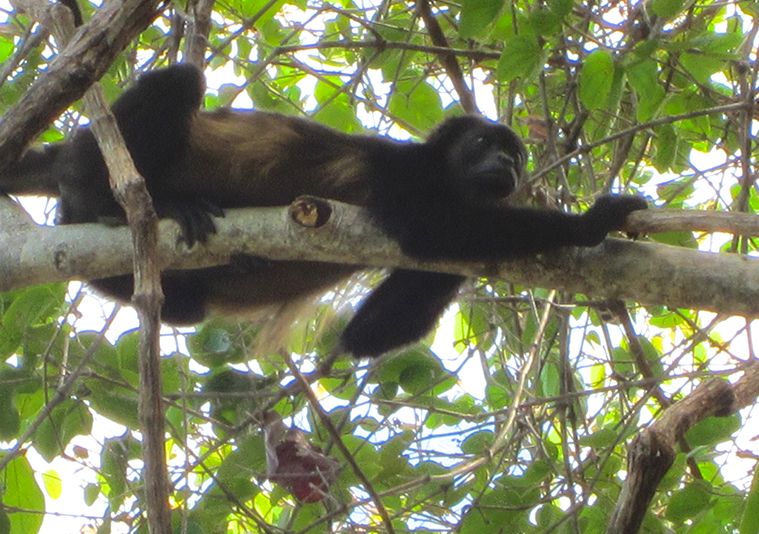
{"points": [[75, 11], [442, 199]]}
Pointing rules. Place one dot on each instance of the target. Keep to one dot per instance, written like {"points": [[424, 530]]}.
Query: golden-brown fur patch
{"points": [[258, 159]]}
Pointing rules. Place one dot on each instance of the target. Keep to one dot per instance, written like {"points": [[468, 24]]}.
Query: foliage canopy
{"points": [[516, 418]]}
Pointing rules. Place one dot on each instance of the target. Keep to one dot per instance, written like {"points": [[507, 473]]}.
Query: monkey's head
{"points": [[483, 160]]}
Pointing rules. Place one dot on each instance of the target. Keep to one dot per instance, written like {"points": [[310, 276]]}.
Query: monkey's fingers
{"points": [[610, 211], [195, 217]]}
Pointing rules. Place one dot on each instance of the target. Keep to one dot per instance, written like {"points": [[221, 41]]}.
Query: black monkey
{"points": [[442, 199]]}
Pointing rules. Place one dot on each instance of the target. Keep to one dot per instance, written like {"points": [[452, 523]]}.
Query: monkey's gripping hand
{"points": [[195, 218], [609, 213]]}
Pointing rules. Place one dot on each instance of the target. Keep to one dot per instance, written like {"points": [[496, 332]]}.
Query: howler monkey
{"points": [[441, 199]]}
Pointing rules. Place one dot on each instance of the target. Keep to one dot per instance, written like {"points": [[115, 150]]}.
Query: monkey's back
{"points": [[252, 158]]}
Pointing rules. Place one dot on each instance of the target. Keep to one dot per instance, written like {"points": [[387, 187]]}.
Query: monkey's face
{"points": [[484, 161]]}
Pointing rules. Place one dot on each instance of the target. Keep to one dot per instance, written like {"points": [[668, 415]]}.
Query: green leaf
{"points": [[386, 390], [537, 472], [550, 380], [688, 502], [496, 397], [250, 8], [417, 377], [68, 419], [5, 523], [490, 515], [91, 493], [545, 22], [6, 48], [28, 308], [308, 519], [561, 8], [548, 515], [751, 8], [622, 362], [596, 78], [750, 520], [391, 459], [476, 15], [477, 443], [708, 54], [652, 354], [466, 404], [471, 328], [667, 8], [643, 77], [611, 105], [230, 381], [365, 455], [10, 422], [220, 341], [119, 404], [600, 439], [53, 484], [665, 143], [416, 103], [234, 474], [676, 239], [713, 430], [114, 458], [271, 31], [700, 66], [522, 57], [341, 115], [673, 477], [409, 367], [22, 493]]}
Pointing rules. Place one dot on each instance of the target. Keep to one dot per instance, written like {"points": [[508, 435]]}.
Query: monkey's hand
{"points": [[195, 217], [609, 213]]}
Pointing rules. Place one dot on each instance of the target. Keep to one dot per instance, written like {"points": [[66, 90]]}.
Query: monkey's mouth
{"points": [[494, 185]]}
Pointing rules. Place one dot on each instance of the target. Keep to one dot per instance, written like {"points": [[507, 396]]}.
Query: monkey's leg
{"points": [[401, 310]]}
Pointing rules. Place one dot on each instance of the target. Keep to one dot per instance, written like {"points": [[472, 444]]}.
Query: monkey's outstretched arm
{"points": [[502, 233]]}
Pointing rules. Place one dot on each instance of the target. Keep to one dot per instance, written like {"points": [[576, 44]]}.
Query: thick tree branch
{"points": [[89, 54], [653, 451], [642, 272]]}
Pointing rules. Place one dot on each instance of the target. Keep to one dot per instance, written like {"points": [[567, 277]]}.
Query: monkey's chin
{"points": [[491, 187]]}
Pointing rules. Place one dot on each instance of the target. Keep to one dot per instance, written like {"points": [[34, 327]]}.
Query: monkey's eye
{"points": [[477, 147], [480, 142]]}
